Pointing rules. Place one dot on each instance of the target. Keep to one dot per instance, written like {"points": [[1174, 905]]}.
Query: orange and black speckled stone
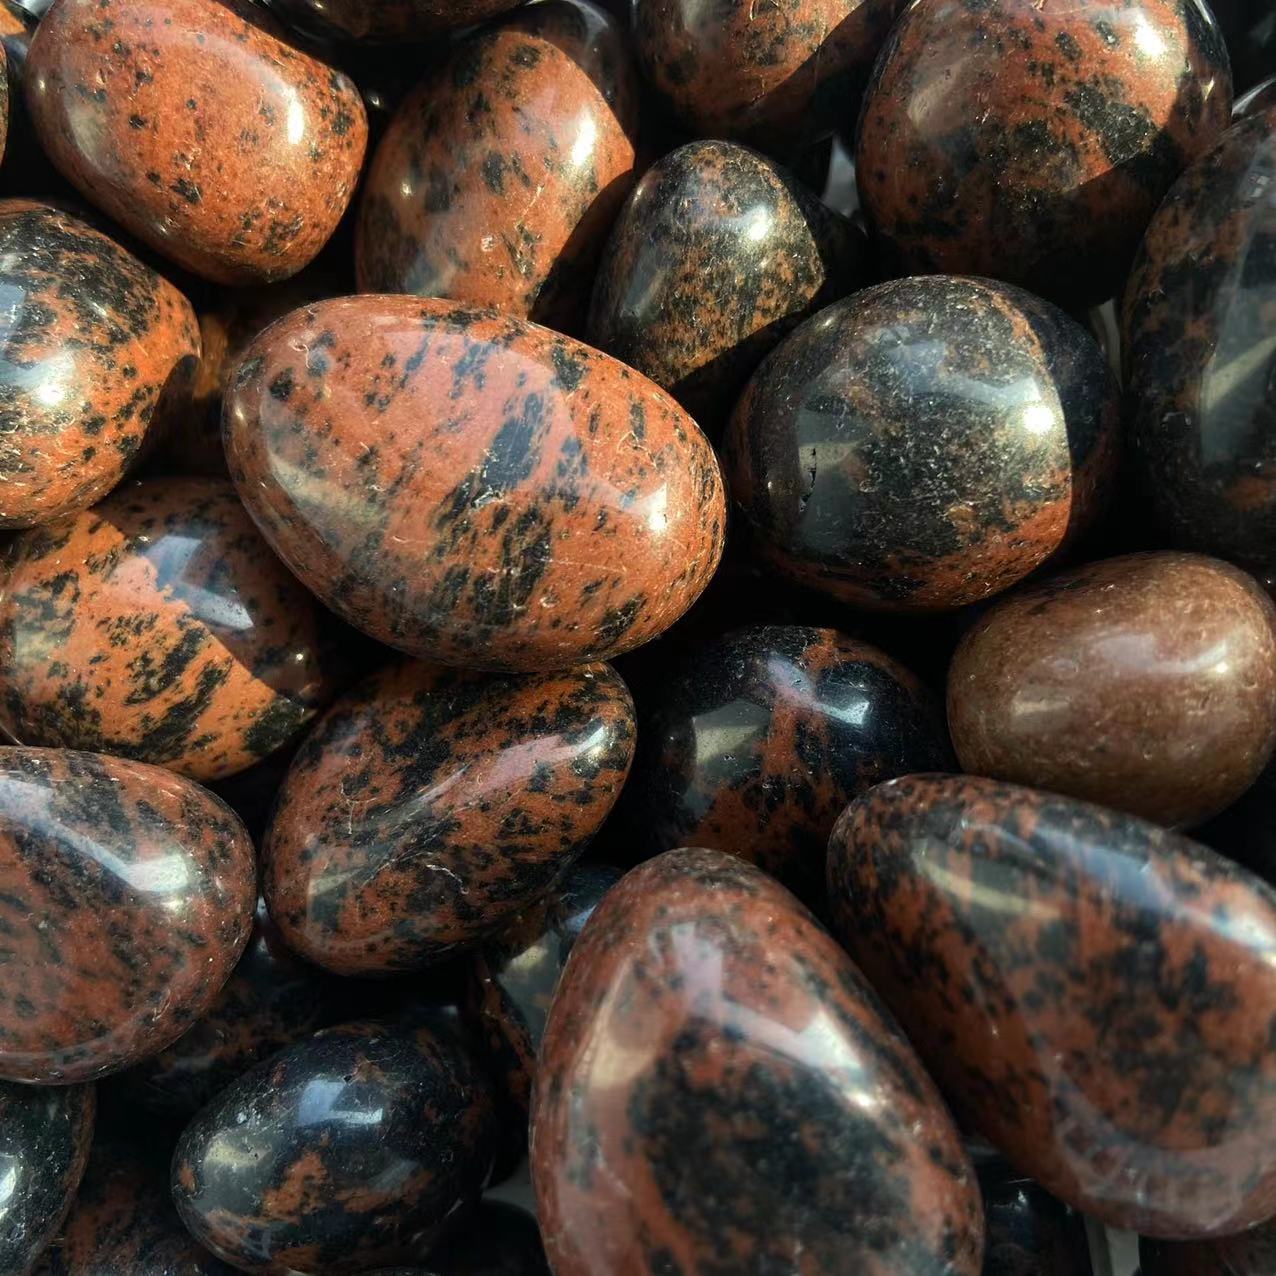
{"points": [[126, 897], [159, 626], [471, 488], [1032, 141], [1252, 1253], [1096, 995], [222, 147], [402, 1137], [719, 1090], [94, 345], [500, 175], [925, 443], [430, 806], [386, 21]]}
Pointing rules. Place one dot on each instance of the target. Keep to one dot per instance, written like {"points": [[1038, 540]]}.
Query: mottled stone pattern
{"points": [[126, 897], [1252, 1253], [94, 345], [45, 1134], [500, 175], [1027, 1231], [1095, 994], [159, 626], [1034, 141], [1262, 97], [430, 806], [743, 1141], [401, 1137], [222, 147], [471, 488], [1201, 372], [924, 444], [717, 255], [386, 21]]}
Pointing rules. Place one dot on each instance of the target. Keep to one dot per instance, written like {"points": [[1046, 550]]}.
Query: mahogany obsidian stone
{"points": [[385, 21]]}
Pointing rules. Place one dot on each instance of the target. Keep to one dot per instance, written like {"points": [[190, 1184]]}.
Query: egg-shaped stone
{"points": [[386, 21], [1146, 683], [342, 1153], [1095, 995], [1201, 366], [500, 175], [126, 897], [925, 443], [716, 256], [1262, 97], [430, 806], [1027, 1232], [718, 1088], [159, 626], [472, 488], [1252, 1253], [1032, 141], [227, 150], [95, 347], [45, 1134]]}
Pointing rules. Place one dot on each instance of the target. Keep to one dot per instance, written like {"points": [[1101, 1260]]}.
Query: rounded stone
{"points": [[1252, 1253], [925, 443], [1027, 1231], [126, 897], [159, 626], [430, 806], [472, 488], [1088, 989], [703, 1096], [95, 347], [1033, 141], [225, 149], [386, 21], [500, 175]]}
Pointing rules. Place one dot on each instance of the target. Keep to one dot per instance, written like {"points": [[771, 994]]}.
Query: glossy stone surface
{"points": [[126, 897], [779, 75], [1252, 1253], [716, 256], [44, 1142], [1027, 1231], [1201, 367], [924, 444], [500, 175], [1145, 683], [1094, 994], [386, 21], [1032, 141], [719, 1089], [338, 1155], [225, 149], [94, 345], [430, 806], [1262, 97], [497, 1240], [570, 510]]}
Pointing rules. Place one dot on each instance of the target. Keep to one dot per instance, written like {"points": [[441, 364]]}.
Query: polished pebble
{"points": [[717, 255], [1145, 683], [1252, 1253], [924, 444], [95, 349], [1032, 141], [429, 807], [471, 488], [340, 1154], [222, 147], [499, 177], [1027, 1231], [44, 1142], [126, 897], [386, 21], [719, 1090], [1094, 994]]}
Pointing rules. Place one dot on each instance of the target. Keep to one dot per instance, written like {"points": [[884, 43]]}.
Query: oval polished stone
{"points": [[126, 897], [1033, 141], [720, 1090], [1096, 995], [500, 175], [159, 626], [94, 346], [570, 510], [716, 256], [340, 1154], [228, 151], [1252, 1253], [925, 443], [1027, 1231], [1201, 365], [45, 1134], [430, 806], [386, 21], [1145, 683]]}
